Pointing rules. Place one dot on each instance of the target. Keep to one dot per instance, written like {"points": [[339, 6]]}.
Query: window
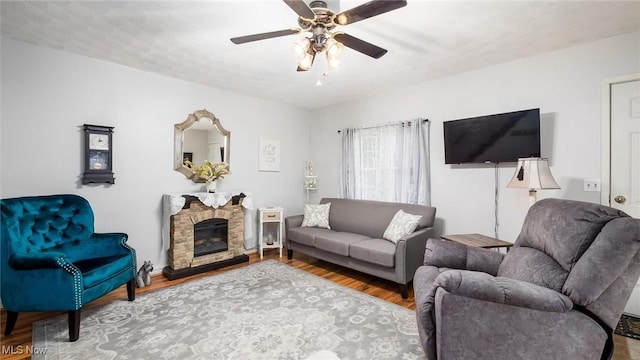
{"points": [[386, 163]]}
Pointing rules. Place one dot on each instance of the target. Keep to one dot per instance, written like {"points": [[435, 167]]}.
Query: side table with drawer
{"points": [[270, 232]]}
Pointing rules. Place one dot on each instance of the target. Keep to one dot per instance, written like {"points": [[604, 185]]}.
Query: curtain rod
{"points": [[373, 127]]}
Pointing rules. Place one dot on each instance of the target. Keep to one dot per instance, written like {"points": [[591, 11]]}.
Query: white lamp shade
{"points": [[535, 174], [332, 64], [299, 49], [334, 49]]}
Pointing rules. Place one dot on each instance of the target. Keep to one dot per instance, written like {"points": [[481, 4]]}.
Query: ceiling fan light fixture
{"points": [[299, 48], [332, 63], [306, 62], [334, 49]]}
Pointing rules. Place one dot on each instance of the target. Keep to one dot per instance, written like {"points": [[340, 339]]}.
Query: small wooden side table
{"points": [[477, 240], [270, 233]]}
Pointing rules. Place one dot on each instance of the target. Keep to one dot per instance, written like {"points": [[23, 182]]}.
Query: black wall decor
{"points": [[98, 154]]}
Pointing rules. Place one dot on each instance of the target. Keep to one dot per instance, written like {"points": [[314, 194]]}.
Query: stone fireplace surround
{"points": [[182, 261]]}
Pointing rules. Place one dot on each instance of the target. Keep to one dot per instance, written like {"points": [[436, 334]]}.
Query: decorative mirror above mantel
{"points": [[199, 138]]}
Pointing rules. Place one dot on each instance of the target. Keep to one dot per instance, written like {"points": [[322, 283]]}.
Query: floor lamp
{"points": [[533, 174]]}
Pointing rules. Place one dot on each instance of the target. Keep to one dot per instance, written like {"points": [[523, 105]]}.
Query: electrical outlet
{"points": [[591, 184]]}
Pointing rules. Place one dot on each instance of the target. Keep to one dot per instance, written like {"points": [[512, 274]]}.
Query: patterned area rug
{"points": [[267, 310], [628, 326]]}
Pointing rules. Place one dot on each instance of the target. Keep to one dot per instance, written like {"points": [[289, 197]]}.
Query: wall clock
{"points": [[98, 154]]}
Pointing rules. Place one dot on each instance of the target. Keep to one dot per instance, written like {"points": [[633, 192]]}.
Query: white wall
{"points": [[564, 84], [47, 95]]}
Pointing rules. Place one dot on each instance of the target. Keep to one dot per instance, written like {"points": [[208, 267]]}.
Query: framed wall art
{"points": [[269, 156]]}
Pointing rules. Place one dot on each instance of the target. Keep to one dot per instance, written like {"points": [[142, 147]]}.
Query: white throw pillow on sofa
{"points": [[401, 225], [316, 216]]}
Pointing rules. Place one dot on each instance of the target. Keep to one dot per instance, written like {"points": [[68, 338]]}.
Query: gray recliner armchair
{"points": [[557, 294]]}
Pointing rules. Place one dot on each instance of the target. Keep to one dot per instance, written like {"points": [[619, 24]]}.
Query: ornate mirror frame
{"points": [[191, 120]]}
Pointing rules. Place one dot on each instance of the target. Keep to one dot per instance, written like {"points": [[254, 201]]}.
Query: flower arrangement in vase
{"points": [[208, 172]]}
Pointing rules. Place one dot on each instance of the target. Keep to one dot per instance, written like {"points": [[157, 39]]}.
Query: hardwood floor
{"points": [[18, 344]]}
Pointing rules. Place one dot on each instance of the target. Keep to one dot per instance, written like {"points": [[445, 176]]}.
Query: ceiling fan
{"points": [[318, 20]]}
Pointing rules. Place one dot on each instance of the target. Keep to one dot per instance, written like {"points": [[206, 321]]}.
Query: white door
{"points": [[624, 192]]}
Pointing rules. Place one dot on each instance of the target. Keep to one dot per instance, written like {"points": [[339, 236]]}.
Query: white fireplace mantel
{"points": [[173, 203]]}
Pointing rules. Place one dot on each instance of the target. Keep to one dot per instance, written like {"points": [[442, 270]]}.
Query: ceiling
{"points": [[426, 40]]}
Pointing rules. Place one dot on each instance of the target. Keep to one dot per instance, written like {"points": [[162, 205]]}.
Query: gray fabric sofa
{"points": [[557, 294], [355, 238]]}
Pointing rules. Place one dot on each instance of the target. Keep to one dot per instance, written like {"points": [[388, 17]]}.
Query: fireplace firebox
{"points": [[210, 237]]}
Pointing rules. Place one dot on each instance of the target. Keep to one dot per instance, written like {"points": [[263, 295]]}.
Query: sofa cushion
{"points": [[307, 236], [337, 242], [376, 251], [402, 224], [316, 216]]}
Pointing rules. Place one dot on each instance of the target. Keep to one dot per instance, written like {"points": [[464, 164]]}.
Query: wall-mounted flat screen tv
{"points": [[493, 138]]}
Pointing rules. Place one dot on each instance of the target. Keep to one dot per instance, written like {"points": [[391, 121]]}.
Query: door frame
{"points": [[605, 143]]}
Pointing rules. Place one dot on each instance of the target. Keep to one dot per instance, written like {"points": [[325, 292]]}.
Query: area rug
{"points": [[628, 326], [267, 310]]}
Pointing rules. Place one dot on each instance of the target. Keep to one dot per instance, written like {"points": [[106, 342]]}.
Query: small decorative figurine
{"points": [[144, 274]]}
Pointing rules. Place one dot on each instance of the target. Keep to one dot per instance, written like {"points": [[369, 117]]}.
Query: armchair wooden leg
{"points": [[289, 254], [131, 289], [404, 291], [12, 317], [74, 325]]}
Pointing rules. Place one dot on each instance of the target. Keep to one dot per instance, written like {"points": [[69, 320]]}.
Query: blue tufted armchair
{"points": [[51, 260]]}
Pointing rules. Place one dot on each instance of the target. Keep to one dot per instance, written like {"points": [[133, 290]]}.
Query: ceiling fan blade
{"points": [[362, 46], [367, 10], [301, 8], [263, 36]]}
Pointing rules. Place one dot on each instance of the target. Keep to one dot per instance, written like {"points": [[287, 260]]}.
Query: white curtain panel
{"points": [[387, 163], [413, 184], [347, 166]]}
